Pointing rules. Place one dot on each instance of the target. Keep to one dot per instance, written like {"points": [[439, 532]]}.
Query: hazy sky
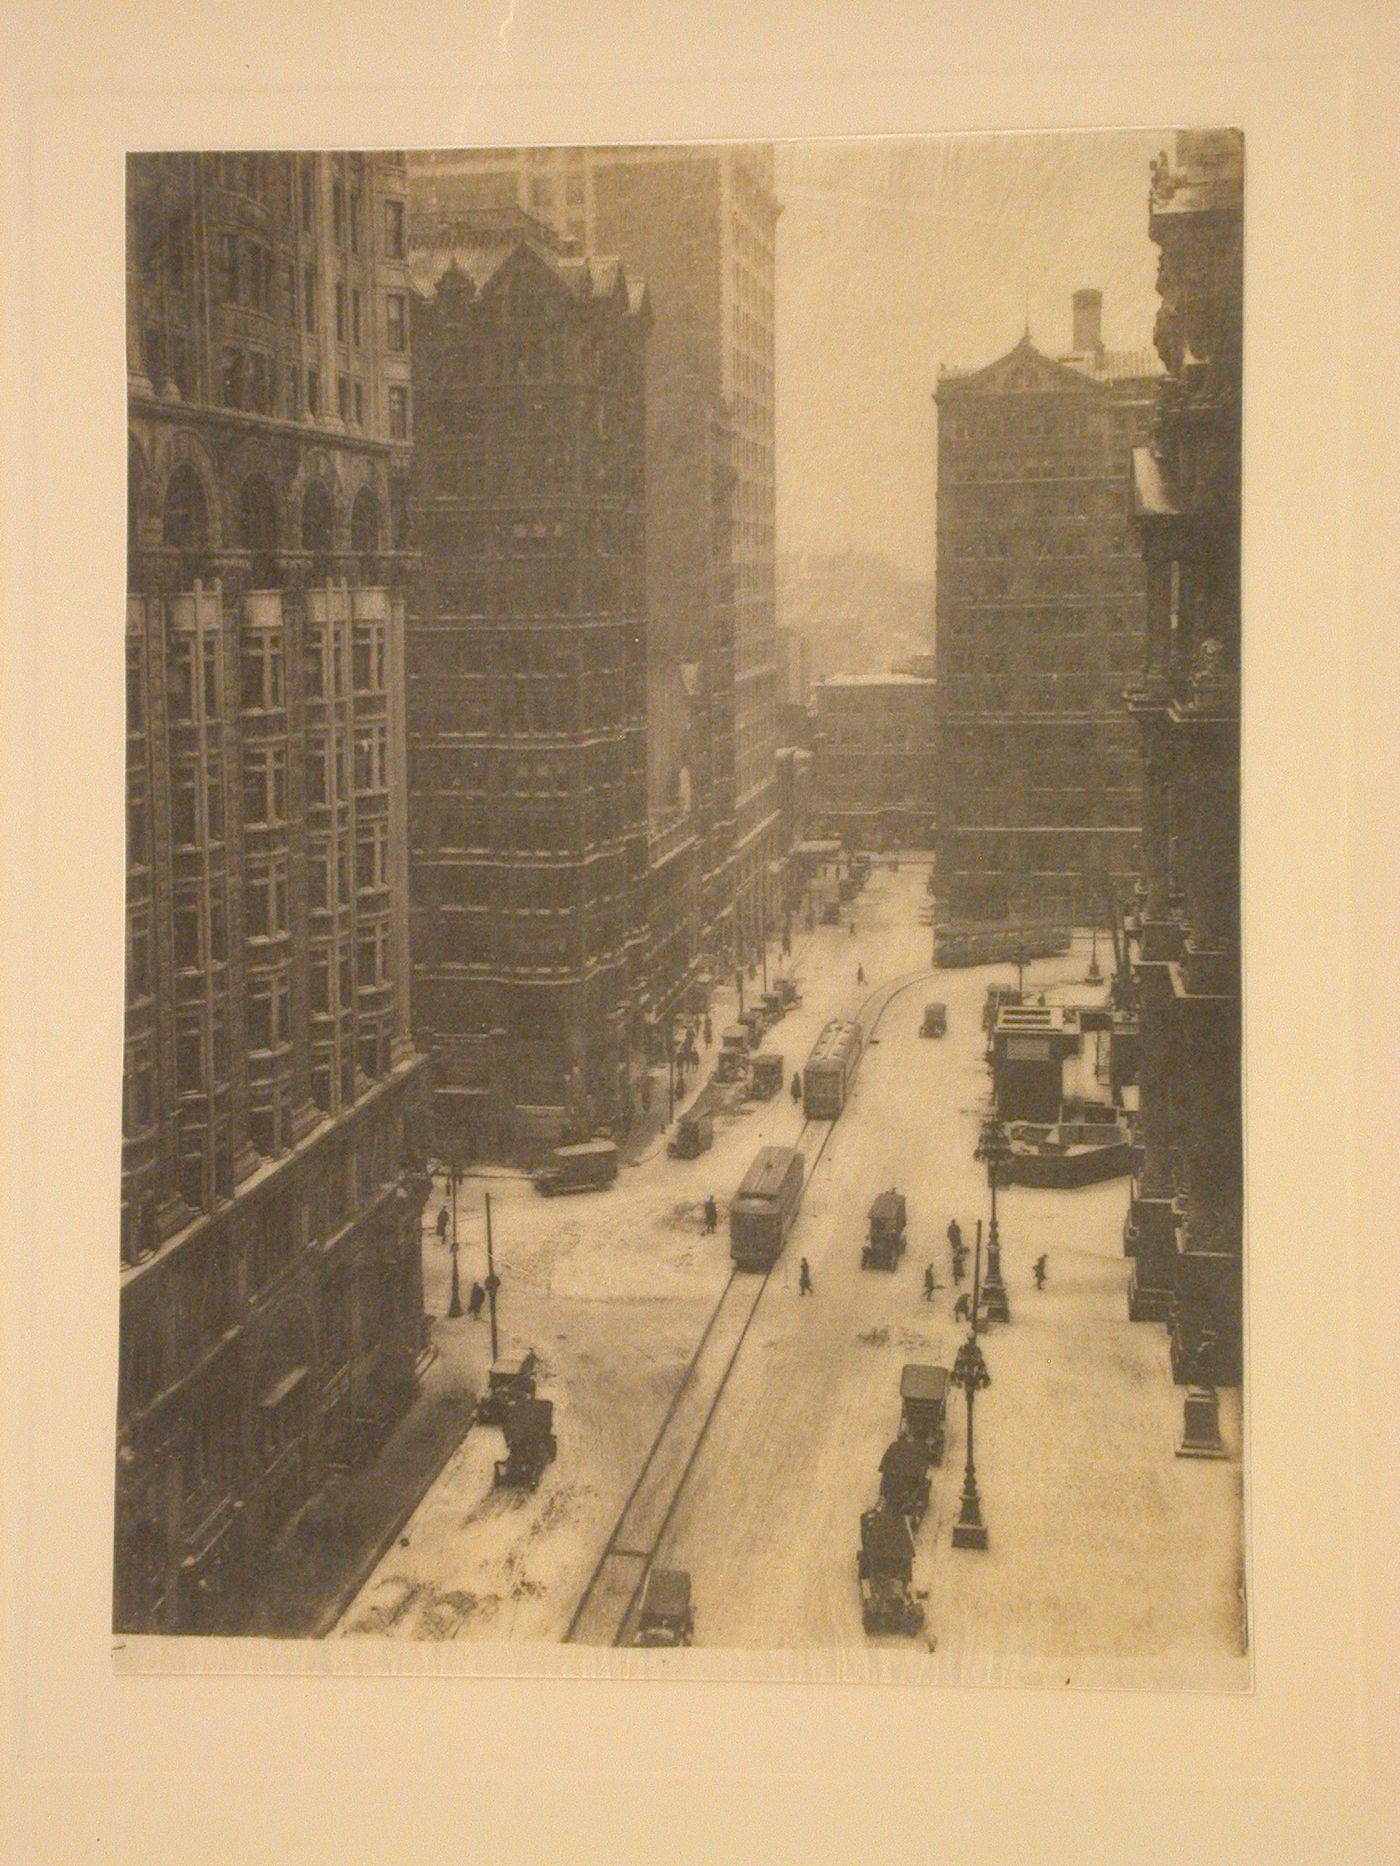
{"points": [[898, 255]]}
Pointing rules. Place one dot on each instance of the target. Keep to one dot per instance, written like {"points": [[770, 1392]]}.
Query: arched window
{"points": [[185, 519], [318, 527], [257, 530], [364, 529]]}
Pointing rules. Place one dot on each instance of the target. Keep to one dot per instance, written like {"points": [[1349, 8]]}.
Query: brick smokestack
{"points": [[1088, 321]]}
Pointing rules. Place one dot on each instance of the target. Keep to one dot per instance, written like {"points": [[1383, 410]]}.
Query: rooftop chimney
{"points": [[1088, 321]]}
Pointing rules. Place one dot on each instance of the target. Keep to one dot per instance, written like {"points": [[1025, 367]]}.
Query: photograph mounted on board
{"points": [[682, 1079]]}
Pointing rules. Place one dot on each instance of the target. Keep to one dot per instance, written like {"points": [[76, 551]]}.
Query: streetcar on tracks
{"points": [[762, 1210], [831, 1068]]}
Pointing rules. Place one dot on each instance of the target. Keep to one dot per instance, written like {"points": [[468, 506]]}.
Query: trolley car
{"points": [[764, 1207], [831, 1067]]}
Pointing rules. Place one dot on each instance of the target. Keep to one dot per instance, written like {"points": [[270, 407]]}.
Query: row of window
{"points": [[252, 383]]}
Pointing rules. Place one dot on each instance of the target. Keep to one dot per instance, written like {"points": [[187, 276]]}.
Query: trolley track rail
{"points": [[606, 1611]]}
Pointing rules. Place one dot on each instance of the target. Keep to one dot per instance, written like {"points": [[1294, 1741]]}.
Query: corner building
{"points": [[698, 222], [527, 692], [1185, 1226], [271, 1299], [1040, 607]]}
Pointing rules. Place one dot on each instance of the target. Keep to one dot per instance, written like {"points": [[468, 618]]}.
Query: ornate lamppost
{"points": [[970, 1373], [454, 1179], [994, 1150]]}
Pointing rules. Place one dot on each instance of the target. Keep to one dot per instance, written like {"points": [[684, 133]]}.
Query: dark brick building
{"points": [[271, 1301], [527, 690], [699, 224], [1040, 595], [1186, 1224], [876, 759]]}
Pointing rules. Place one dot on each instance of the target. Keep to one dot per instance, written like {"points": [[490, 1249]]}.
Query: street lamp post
{"points": [[454, 1178], [994, 1150], [970, 1373], [493, 1282]]}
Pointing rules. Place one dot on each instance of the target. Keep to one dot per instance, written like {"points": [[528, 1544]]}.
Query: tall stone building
{"points": [[527, 690], [698, 223], [1040, 602], [271, 1301], [1186, 1223]]}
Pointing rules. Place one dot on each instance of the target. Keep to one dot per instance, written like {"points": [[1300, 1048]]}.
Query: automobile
{"points": [[935, 1022], [667, 1617], [923, 1397], [511, 1378], [904, 1480], [767, 1075], [787, 990], [831, 914], [884, 1570], [885, 1242], [752, 1022], [530, 1444], [733, 1062], [694, 1135], [588, 1166], [773, 1005]]}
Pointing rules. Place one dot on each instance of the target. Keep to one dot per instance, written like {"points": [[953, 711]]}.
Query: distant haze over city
{"points": [[896, 256]]}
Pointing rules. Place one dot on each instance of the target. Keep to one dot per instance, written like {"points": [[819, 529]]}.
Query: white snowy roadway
{"points": [[1110, 1558]]}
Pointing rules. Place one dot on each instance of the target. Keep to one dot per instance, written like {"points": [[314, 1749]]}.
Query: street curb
{"points": [[328, 1620]]}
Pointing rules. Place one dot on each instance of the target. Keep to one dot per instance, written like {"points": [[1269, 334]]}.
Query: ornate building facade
{"points": [[528, 690], [1185, 1227], [699, 224], [1040, 606], [271, 1299]]}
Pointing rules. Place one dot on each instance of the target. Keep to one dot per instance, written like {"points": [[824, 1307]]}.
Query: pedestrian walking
{"points": [[955, 1235], [797, 1085], [442, 1224], [1040, 1271], [711, 1212], [962, 1308], [959, 1265], [475, 1302], [860, 974], [853, 929], [929, 1284], [709, 1032], [804, 1278]]}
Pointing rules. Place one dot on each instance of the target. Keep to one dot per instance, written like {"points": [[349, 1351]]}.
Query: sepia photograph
{"points": [[682, 1083]]}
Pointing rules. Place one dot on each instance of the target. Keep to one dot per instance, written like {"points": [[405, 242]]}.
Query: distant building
{"points": [[1040, 622], [854, 612], [271, 1295], [1185, 1226], [527, 691], [698, 223], [876, 759]]}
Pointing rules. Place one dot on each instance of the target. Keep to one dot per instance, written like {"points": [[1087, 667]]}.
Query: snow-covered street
{"points": [[1104, 1546]]}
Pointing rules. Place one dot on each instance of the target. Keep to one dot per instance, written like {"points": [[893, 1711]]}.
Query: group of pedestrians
{"points": [[957, 1250], [476, 1297]]}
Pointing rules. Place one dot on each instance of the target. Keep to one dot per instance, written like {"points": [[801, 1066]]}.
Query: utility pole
{"points": [[454, 1307], [493, 1282]]}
